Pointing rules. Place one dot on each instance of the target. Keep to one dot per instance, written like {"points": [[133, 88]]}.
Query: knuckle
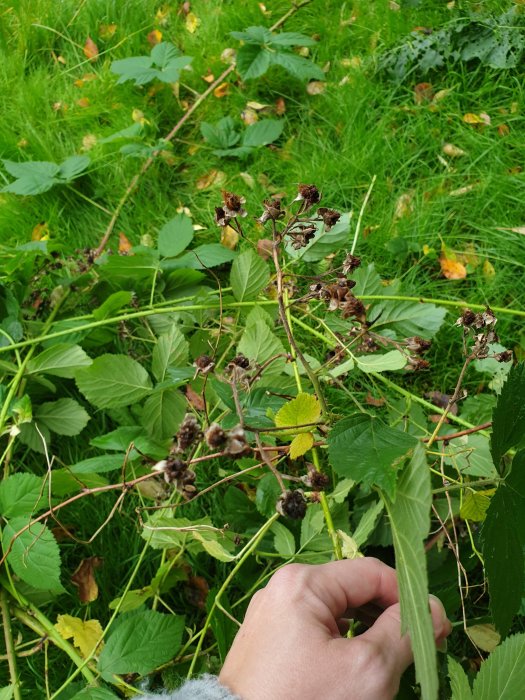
{"points": [[373, 664], [291, 578]]}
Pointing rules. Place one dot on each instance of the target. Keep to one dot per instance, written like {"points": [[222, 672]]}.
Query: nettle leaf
{"points": [[61, 360], [20, 494], [163, 412], [259, 344], [171, 350], [262, 132], [502, 675], [305, 408], [175, 236], [221, 135], [164, 64], [72, 167], [503, 536], [249, 276], [113, 381], [410, 522], [34, 555], [291, 39], [63, 417], [508, 417], [36, 177], [363, 448], [392, 360], [139, 642]]}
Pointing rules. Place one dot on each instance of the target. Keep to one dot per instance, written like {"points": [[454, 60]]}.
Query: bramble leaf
{"points": [[63, 417], [301, 444], [171, 350], [20, 494], [61, 360], [175, 236], [305, 408], [163, 413], [502, 675], [508, 417], [85, 633], [262, 132], [249, 276], [113, 381]]}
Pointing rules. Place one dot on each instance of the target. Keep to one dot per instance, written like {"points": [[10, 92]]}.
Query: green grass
{"points": [[361, 126]]}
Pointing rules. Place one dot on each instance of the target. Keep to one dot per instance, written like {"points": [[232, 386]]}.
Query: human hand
{"points": [[290, 646]]}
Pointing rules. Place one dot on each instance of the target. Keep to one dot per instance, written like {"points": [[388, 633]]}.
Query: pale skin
{"points": [[292, 646]]}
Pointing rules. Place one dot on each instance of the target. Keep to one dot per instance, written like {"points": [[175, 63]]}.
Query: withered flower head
{"points": [[315, 480], [215, 436], [204, 364], [329, 216], [241, 361], [301, 236], [351, 263], [233, 204], [466, 319], [488, 317], [272, 211], [292, 504], [189, 432], [353, 307], [308, 195], [175, 471], [504, 356], [417, 345], [417, 364], [236, 445], [221, 219]]}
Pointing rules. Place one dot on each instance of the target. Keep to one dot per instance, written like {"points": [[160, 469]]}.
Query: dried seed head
{"points": [[233, 204], [221, 219], [236, 444], [329, 216], [215, 436], [505, 356], [204, 364], [272, 211], [417, 345], [351, 263], [240, 361], [189, 432], [417, 364], [292, 504], [301, 236], [315, 480], [308, 195], [467, 319], [354, 307]]}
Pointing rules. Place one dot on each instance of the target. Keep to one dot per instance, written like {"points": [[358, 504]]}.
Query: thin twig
{"points": [[10, 647], [460, 433]]}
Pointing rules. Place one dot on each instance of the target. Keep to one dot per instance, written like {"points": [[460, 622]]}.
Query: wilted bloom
{"points": [[236, 444], [272, 211], [292, 504], [466, 319], [221, 219], [329, 216], [351, 263], [204, 364], [233, 204], [308, 195], [215, 436], [417, 345], [189, 432], [504, 356], [302, 236]]}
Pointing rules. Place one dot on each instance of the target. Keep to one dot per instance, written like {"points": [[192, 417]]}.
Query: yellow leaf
{"points": [[138, 116], [349, 548], [222, 90], [154, 37], [452, 269], [40, 232], [301, 444], [213, 178], [162, 16], [302, 410], [209, 77], [83, 102], [229, 237], [192, 22], [453, 151], [514, 229], [481, 118], [484, 636], [488, 269], [106, 31], [475, 505], [90, 49], [124, 244], [85, 634]]}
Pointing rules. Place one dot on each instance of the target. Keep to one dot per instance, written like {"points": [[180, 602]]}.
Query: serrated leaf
{"points": [[33, 177], [34, 555], [175, 236], [305, 408], [221, 135], [113, 303], [410, 522], [213, 547], [301, 444], [130, 132], [61, 360], [98, 465], [475, 505], [249, 276], [365, 449], [254, 35], [252, 61], [392, 360], [262, 132], [408, 318], [367, 523], [85, 633], [72, 167], [299, 67], [171, 350], [140, 642], [503, 536], [508, 417], [113, 381], [459, 684], [206, 255], [502, 675], [163, 413], [259, 344], [291, 39], [63, 417], [94, 694], [20, 494], [283, 540]]}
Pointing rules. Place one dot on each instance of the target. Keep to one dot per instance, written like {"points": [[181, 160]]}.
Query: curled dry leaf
{"points": [[265, 248], [208, 78], [40, 232], [213, 178], [124, 244], [503, 130], [84, 579], [452, 269], [248, 179], [453, 151], [222, 90], [194, 398], [90, 49], [280, 106], [463, 190], [514, 229], [423, 92], [373, 401], [84, 102], [228, 56], [88, 142], [154, 37], [315, 87]]}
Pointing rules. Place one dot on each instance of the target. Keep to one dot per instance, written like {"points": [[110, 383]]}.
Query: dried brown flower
{"points": [[329, 216], [504, 356], [315, 480], [417, 364], [308, 195], [215, 436], [188, 433], [221, 219], [292, 504], [204, 364], [351, 263], [272, 211], [417, 345], [237, 445], [233, 204]]}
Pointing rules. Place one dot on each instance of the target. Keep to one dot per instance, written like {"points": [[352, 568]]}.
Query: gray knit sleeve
{"points": [[204, 688]]}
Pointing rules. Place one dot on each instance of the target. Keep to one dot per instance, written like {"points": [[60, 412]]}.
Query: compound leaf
{"points": [[113, 381], [20, 495], [34, 555], [262, 133], [171, 350], [63, 417], [61, 360]]}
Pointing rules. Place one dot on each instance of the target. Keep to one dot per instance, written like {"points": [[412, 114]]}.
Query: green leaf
{"points": [[459, 684], [20, 494], [140, 642], [222, 134], [471, 455], [283, 540], [249, 275], [394, 359], [262, 132], [163, 413], [141, 69], [113, 381], [98, 465], [207, 255], [113, 303], [299, 67], [365, 449], [129, 132], [72, 167], [61, 360], [34, 555], [502, 675], [136, 68], [291, 39], [367, 523], [171, 350], [130, 271], [254, 35], [407, 318], [212, 546], [94, 694], [503, 536], [305, 408], [508, 417], [475, 505], [410, 523], [64, 417], [6, 693], [252, 61], [175, 236], [325, 242], [259, 344], [33, 177]]}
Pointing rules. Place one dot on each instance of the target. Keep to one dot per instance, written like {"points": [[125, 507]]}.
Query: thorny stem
{"points": [[149, 162], [10, 646], [246, 552]]}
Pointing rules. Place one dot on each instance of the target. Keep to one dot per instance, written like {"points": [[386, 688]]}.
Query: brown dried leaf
{"points": [[315, 87], [84, 579], [84, 102], [197, 590], [452, 269], [194, 398], [124, 244], [209, 77], [154, 37], [88, 142], [222, 90], [90, 49], [213, 178], [280, 106], [40, 232], [463, 190], [423, 92], [372, 401], [481, 118], [503, 130]]}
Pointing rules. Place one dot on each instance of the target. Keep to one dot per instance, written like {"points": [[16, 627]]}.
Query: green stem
{"points": [[10, 646], [444, 302], [243, 556]]}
